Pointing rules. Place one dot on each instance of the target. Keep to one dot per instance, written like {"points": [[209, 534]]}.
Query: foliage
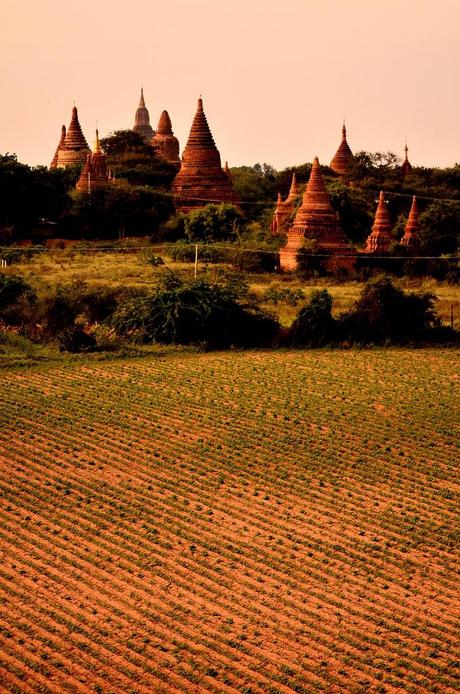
{"points": [[11, 288], [213, 223], [314, 325], [384, 313], [29, 196], [194, 312], [74, 339], [277, 294], [117, 210], [440, 229], [130, 158]]}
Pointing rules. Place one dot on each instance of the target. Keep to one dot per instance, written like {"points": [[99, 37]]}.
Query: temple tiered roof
{"points": [[54, 162], [142, 120], [201, 179], [316, 220], [410, 238], [343, 158], [75, 148], [380, 238], [165, 143]]}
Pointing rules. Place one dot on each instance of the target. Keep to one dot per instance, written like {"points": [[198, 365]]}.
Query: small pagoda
{"points": [[343, 158], [410, 239], [380, 238], [316, 220], [201, 179], [74, 148], [164, 142], [142, 120], [94, 175], [284, 209], [54, 162], [406, 166]]}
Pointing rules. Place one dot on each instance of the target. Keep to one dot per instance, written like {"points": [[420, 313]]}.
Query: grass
{"points": [[132, 269], [248, 521]]}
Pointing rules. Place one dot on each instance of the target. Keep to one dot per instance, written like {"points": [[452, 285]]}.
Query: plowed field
{"points": [[253, 522]]}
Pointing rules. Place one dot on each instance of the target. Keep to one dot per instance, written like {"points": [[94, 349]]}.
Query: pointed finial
{"points": [[344, 131], [97, 145], [200, 103], [141, 100]]}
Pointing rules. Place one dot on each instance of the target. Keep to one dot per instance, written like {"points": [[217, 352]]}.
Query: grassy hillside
{"points": [[230, 522]]}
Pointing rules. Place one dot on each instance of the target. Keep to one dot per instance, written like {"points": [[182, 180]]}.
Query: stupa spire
{"points": [[164, 142], [97, 144], [294, 189], [142, 120], [343, 158], [410, 238], [54, 162], [74, 148], [380, 238], [201, 179], [406, 166], [316, 220]]}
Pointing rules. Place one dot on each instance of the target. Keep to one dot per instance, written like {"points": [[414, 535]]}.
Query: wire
{"points": [[216, 246]]}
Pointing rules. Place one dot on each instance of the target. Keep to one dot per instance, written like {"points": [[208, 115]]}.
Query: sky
{"points": [[277, 77]]}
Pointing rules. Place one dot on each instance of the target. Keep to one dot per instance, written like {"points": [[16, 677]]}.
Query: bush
{"points": [[194, 312], [384, 313], [74, 339], [314, 325], [11, 288]]}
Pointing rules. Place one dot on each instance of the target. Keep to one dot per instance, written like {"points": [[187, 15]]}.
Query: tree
{"points": [[440, 228], [213, 223], [130, 158], [314, 325]]}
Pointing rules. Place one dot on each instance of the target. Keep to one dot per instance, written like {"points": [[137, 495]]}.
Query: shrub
{"points": [[314, 325], [384, 313], [194, 312], [74, 339], [11, 288]]}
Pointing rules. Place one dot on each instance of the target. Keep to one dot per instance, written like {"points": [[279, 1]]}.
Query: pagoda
{"points": [[316, 220], [406, 166], [410, 238], [74, 149], [284, 209], [201, 179], [343, 158], [380, 238], [94, 175], [142, 120], [164, 142], [54, 162]]}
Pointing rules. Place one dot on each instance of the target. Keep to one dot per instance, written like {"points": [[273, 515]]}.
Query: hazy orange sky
{"points": [[277, 77]]}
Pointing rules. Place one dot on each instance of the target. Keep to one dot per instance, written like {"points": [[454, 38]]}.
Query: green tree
{"points": [[213, 223], [130, 158]]}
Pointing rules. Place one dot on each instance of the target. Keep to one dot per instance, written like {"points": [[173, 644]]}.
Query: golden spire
{"points": [[97, 144]]}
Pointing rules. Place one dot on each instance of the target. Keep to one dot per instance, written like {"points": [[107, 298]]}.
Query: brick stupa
{"points": [[164, 142], [284, 209], [406, 166], [343, 158], [142, 121], [380, 238], [94, 175], [74, 149], [201, 179], [316, 220], [54, 162], [410, 238]]}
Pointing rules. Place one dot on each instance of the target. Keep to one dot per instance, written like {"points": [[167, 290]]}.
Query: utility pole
{"points": [[196, 259]]}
